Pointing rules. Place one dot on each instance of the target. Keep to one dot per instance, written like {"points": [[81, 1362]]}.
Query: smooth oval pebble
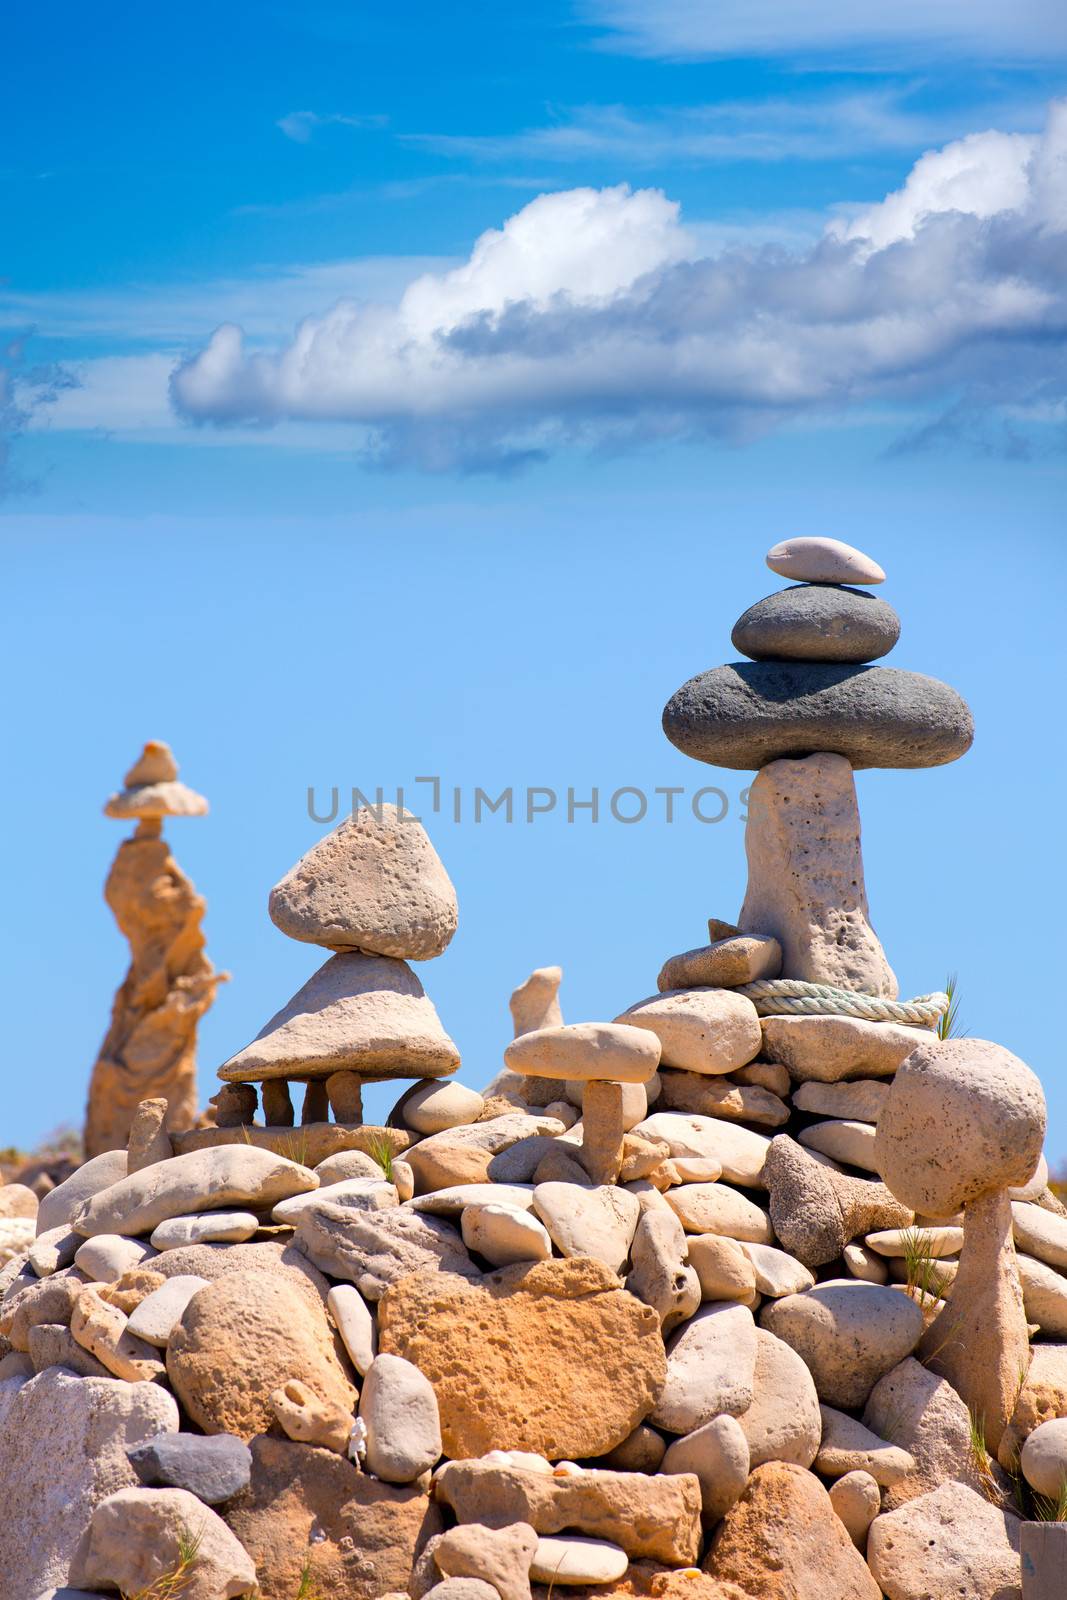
{"points": [[206, 1227], [503, 1235], [577, 1560], [817, 559], [816, 622], [1044, 1458], [355, 1324], [599, 1050]]}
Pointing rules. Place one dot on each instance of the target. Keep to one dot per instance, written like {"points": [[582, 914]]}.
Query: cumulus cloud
{"points": [[597, 317]]}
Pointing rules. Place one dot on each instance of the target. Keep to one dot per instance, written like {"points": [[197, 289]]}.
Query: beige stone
{"points": [[243, 1337], [596, 1222], [358, 1013], [109, 1255], [656, 1517], [16, 1200], [1040, 1233], [723, 1269], [535, 1003], [345, 1164], [785, 1523], [586, 1050], [764, 1075], [439, 1163], [921, 1413], [783, 1422], [717, 1454], [207, 1227], [433, 1107], [817, 1211], [1044, 1459], [661, 1275], [847, 1446], [374, 884], [592, 1356], [833, 1049], [361, 1194], [203, 1180], [715, 1208], [60, 1205], [726, 964], [136, 1538], [574, 1560], [501, 1556], [157, 1313], [815, 558], [777, 1273], [849, 1333], [709, 1031], [357, 1536], [460, 1197], [739, 1152], [311, 1143], [849, 1142], [936, 1242], [858, 1100], [503, 1235], [857, 1500], [354, 1321], [1042, 1396], [102, 1329], [149, 1140], [711, 1363], [149, 1050], [805, 874], [42, 1301], [722, 1097], [864, 1263], [950, 1541], [374, 1249], [306, 1417], [398, 1408], [964, 1117], [1044, 1295]]}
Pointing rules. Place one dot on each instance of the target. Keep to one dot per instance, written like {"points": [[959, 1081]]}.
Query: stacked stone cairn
{"points": [[150, 1047], [756, 1291]]}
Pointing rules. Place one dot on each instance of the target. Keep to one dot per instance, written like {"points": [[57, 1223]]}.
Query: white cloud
{"points": [[300, 125], [595, 316], [910, 30]]}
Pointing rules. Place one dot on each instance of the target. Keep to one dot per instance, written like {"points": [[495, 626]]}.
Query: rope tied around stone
{"points": [[774, 997]]}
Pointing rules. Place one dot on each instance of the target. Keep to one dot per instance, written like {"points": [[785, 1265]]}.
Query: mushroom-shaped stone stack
{"points": [[375, 893], [963, 1122], [150, 1048], [807, 711], [605, 1057]]}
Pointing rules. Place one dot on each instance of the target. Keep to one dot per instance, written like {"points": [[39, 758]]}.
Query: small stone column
{"points": [[805, 875]]}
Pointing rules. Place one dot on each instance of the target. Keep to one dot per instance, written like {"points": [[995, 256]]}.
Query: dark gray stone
{"points": [[752, 712], [214, 1468], [817, 622]]}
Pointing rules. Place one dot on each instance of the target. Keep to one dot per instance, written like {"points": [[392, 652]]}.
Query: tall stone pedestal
{"points": [[805, 875]]}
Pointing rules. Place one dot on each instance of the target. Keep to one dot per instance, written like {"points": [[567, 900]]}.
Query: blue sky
{"points": [[411, 390]]}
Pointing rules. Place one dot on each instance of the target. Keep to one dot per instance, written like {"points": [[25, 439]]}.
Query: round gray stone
{"points": [[817, 622], [213, 1468], [752, 712]]}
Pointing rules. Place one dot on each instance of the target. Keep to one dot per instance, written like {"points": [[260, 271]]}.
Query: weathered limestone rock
{"points": [[700, 1030], [1042, 1396], [722, 1097], [726, 964], [847, 1446], [721, 1265], [16, 1200], [785, 1524], [830, 1049], [375, 884], [964, 1120], [63, 1446], [573, 1561], [861, 1100], [357, 1535], [1040, 1233], [849, 1142], [149, 1141], [101, 1329], [661, 1275], [150, 1046], [805, 875], [589, 1222], [202, 1180], [738, 1152], [1044, 1295], [716, 1208], [947, 1542], [656, 1517], [849, 1333], [358, 1013], [535, 1003], [1044, 1459], [592, 1357], [922, 1414], [374, 1249], [243, 1337], [434, 1107], [136, 1536], [586, 1050], [207, 1227], [816, 1211], [857, 1501], [500, 1556], [777, 1272], [307, 1418]]}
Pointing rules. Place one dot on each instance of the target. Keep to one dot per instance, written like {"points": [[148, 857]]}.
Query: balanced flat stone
{"points": [[374, 884], [817, 622], [817, 559], [612, 1051], [366, 1014], [751, 712]]}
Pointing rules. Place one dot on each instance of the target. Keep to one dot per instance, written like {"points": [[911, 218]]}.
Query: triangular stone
{"points": [[374, 884], [357, 1013]]}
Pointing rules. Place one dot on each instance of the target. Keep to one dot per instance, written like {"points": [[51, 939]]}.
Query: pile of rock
{"points": [[373, 892], [692, 1303]]}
